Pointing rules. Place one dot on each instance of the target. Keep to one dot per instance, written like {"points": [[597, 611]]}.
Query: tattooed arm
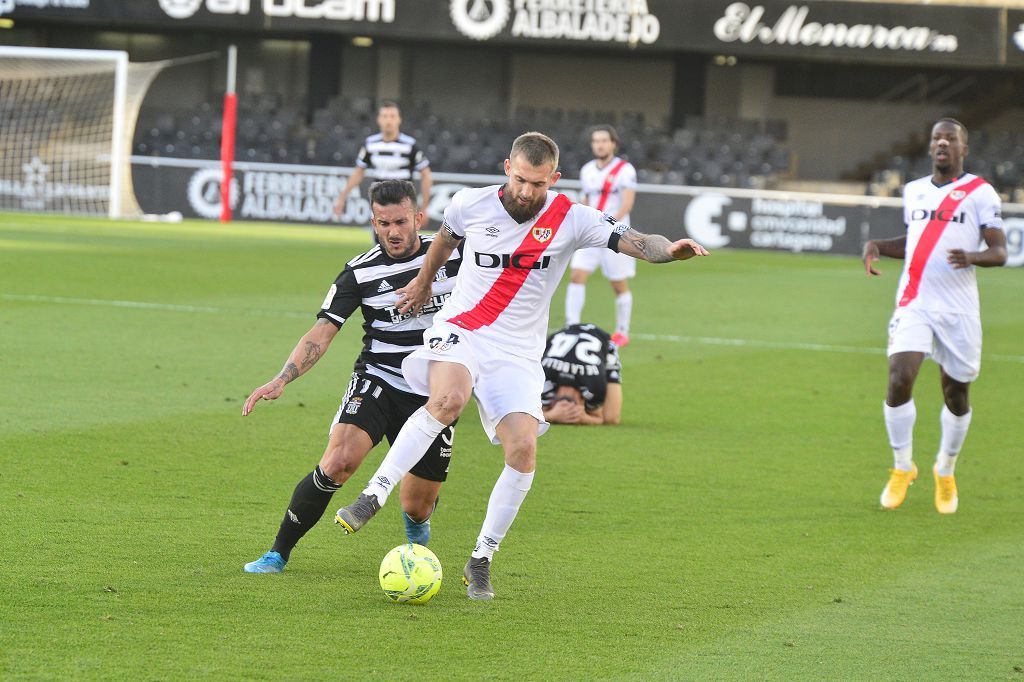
{"points": [[654, 248], [308, 350]]}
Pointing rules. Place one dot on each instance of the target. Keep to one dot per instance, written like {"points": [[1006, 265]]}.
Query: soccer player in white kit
{"points": [[609, 185], [489, 337], [948, 215]]}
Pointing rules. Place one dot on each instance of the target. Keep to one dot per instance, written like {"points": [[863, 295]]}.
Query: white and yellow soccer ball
{"points": [[410, 574]]}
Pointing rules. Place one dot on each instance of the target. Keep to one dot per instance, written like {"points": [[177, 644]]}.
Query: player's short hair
{"points": [[958, 124], [388, 104], [536, 148], [604, 128], [390, 192]]}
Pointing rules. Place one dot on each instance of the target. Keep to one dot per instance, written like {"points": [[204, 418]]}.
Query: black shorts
{"points": [[381, 410]]}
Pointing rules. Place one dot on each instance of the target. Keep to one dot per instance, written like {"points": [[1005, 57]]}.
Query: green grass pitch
{"points": [[728, 529]]}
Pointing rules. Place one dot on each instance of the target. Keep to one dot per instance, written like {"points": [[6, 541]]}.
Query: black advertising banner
{"points": [[817, 29], [717, 218]]}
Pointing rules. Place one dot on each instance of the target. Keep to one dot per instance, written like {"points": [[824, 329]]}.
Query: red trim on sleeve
{"points": [[511, 279], [930, 237]]}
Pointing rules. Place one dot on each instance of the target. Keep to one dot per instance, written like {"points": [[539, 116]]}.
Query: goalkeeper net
{"points": [[68, 119]]}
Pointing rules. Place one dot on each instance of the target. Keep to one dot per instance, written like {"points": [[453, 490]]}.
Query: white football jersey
{"points": [[509, 270], [607, 183], [939, 219]]}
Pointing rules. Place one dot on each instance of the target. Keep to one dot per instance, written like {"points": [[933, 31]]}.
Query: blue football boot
{"points": [[271, 562]]}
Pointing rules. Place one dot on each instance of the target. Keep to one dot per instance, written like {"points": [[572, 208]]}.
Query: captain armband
{"points": [[616, 235]]}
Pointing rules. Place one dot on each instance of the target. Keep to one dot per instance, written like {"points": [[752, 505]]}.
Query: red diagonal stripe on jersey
{"points": [[608, 180], [510, 281], [930, 237]]}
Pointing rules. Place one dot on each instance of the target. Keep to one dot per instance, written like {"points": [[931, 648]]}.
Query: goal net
{"points": [[68, 118]]}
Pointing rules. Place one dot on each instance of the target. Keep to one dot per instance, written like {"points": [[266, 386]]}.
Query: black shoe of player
{"points": [[477, 578], [355, 516]]}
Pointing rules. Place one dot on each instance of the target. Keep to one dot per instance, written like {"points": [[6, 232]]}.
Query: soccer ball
{"points": [[410, 574]]}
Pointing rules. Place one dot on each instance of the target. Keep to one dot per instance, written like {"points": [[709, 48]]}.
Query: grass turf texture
{"points": [[729, 528]]}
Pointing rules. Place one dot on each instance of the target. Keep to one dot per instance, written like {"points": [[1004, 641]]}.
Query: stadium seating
{"points": [[706, 151], [997, 156]]}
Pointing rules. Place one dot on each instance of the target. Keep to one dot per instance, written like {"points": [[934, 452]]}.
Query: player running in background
{"points": [[582, 377], [948, 215], [488, 338], [609, 185], [389, 155], [378, 400]]}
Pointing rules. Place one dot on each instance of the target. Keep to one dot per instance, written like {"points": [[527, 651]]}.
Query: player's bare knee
{"points": [[447, 406], [418, 511]]}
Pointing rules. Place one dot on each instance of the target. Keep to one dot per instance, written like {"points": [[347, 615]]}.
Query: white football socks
{"points": [[409, 447], [899, 422], [954, 431], [506, 498], [575, 295], [623, 312]]}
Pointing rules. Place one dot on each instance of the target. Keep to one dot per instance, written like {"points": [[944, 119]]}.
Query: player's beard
{"points": [[518, 211]]}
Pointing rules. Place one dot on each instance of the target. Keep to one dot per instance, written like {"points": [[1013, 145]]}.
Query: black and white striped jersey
{"points": [[369, 282], [391, 159]]}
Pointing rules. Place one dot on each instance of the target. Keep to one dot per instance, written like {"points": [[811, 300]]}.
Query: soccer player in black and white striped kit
{"points": [[378, 401], [389, 155]]}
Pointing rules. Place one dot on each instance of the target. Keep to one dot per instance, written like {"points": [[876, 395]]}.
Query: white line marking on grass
{"points": [[671, 338], [144, 305], [789, 345]]}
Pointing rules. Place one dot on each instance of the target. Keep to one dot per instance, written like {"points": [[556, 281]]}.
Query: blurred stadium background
{"points": [[827, 97]]}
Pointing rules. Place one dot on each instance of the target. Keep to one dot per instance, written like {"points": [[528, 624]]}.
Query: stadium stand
{"points": [[708, 151], [997, 156]]}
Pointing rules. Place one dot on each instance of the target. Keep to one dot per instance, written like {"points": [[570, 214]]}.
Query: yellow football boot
{"points": [[896, 489], [946, 500]]}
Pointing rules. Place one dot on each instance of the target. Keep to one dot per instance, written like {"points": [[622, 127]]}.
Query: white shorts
{"points": [[615, 266], [502, 383], [952, 340]]}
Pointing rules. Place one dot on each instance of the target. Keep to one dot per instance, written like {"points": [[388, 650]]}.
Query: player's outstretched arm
{"points": [[308, 350], [876, 248], [417, 292], [655, 248], [353, 182], [992, 257]]}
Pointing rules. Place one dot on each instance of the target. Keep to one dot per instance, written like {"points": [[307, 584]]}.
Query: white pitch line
{"points": [[145, 305], [672, 338]]}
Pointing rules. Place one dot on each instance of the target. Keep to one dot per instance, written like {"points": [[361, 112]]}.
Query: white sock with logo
{"points": [[623, 312], [575, 296], [899, 422], [954, 431], [509, 492], [412, 442]]}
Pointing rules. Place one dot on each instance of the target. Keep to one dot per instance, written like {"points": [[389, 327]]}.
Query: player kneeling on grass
{"points": [[949, 214], [582, 377], [378, 401]]}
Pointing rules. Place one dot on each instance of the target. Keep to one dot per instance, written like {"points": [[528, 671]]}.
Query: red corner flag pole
{"points": [[227, 136]]}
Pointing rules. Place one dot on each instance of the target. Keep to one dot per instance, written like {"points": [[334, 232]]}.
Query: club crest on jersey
{"points": [[957, 194], [441, 275], [542, 234], [437, 346], [353, 404]]}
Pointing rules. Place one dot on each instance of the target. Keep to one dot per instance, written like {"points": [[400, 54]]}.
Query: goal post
{"points": [[68, 120]]}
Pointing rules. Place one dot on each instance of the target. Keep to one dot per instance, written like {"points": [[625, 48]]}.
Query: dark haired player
{"points": [[582, 377], [949, 215], [378, 400]]}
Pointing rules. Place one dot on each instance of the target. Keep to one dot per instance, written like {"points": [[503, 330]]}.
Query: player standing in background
{"points": [[389, 155], [488, 338], [609, 185], [378, 400], [582, 377], [948, 215]]}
